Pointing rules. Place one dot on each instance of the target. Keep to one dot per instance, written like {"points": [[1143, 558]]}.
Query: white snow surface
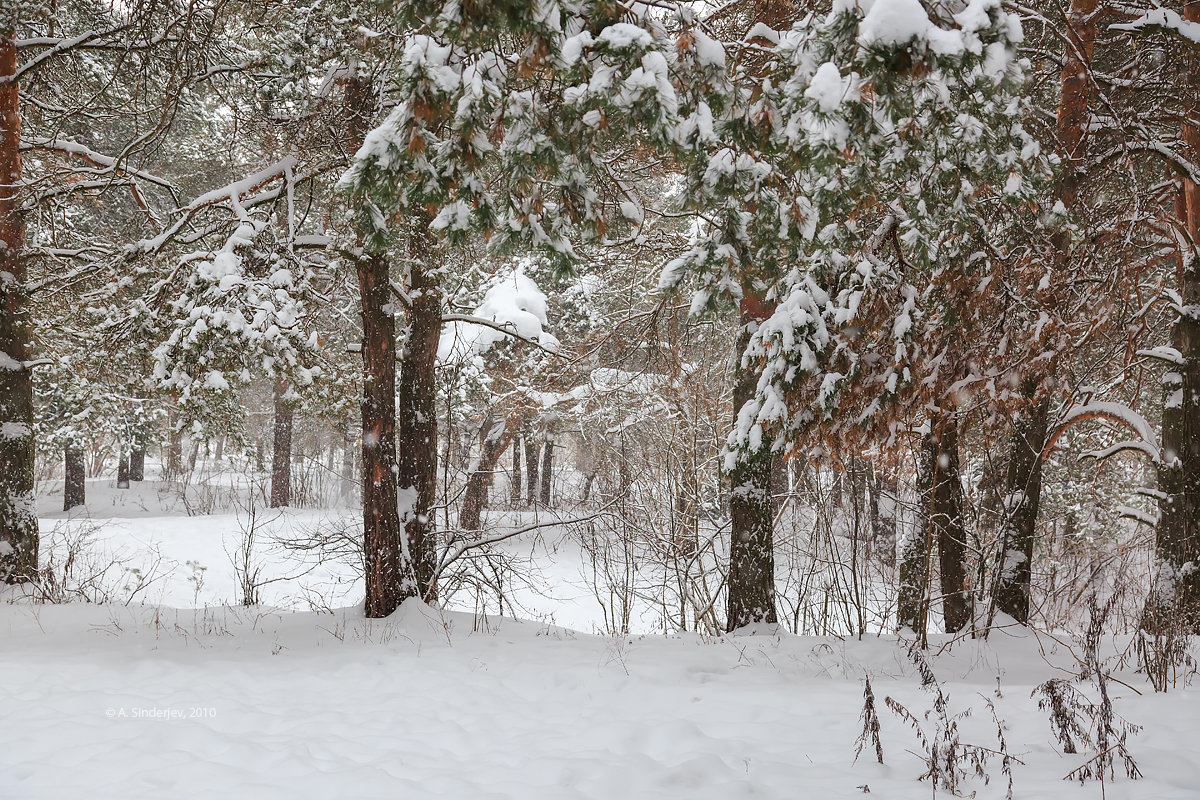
{"points": [[159, 700]]}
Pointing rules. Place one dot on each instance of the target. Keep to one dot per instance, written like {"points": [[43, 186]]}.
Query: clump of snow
{"points": [[828, 89], [514, 303]]}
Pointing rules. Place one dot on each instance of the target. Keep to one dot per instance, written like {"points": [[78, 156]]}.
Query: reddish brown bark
{"points": [[1023, 482], [382, 554], [18, 522]]}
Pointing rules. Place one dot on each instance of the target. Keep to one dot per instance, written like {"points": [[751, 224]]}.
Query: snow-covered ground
{"points": [[160, 698]]}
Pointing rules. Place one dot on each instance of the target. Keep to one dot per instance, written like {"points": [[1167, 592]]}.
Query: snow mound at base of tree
{"points": [[110, 701]]}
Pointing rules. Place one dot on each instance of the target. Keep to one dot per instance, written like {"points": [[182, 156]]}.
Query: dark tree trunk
{"points": [[382, 555], [1023, 481], [417, 421], [18, 521], [123, 467], [532, 462], [218, 451], [751, 580], [1174, 602], [494, 439], [1022, 495], [137, 461], [949, 529], [548, 465], [381, 519], [514, 484], [587, 486], [281, 452], [75, 486], [175, 448], [913, 566]]}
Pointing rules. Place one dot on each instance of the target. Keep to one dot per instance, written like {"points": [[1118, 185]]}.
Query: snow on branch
{"points": [[1113, 412], [232, 192], [1164, 353], [1163, 19], [90, 156]]}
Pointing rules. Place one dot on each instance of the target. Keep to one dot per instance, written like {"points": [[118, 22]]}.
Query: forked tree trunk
{"points": [[382, 556], [1022, 496], [1174, 602], [281, 452], [417, 420], [18, 520], [75, 485], [751, 579], [939, 523], [494, 439]]}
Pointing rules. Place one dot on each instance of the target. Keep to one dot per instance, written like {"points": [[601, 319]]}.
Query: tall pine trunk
{"points": [[417, 419], [1174, 602], [950, 530], [751, 579], [382, 555], [1023, 482], [75, 485], [1022, 496], [281, 452], [18, 520]]}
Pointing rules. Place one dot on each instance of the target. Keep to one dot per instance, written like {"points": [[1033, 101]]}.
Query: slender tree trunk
{"points": [[75, 486], [548, 464], [916, 550], [18, 520], [137, 461], [123, 467], [1022, 495], [494, 439], [514, 484], [281, 452], [417, 421], [751, 579], [945, 512], [1174, 602], [382, 556], [347, 487], [532, 462]]}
